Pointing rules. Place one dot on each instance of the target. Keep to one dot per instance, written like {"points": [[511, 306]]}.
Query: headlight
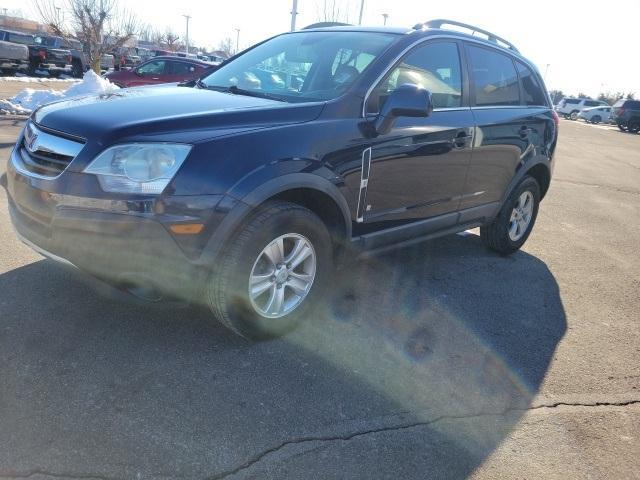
{"points": [[145, 168]]}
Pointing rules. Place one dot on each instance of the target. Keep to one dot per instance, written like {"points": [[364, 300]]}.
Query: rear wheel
{"points": [[273, 272], [634, 127], [574, 115], [596, 119], [511, 228]]}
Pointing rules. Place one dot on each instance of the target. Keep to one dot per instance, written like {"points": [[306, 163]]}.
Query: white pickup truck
{"points": [[14, 56]]}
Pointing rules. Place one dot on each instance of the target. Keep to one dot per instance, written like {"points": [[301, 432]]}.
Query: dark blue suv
{"points": [[246, 187]]}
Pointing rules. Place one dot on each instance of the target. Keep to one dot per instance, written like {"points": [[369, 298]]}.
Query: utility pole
{"points": [[237, 40], [361, 12], [294, 13], [385, 16], [186, 46]]}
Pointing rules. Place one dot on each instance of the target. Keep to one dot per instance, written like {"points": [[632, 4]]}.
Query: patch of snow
{"points": [[22, 78], [92, 84], [8, 108]]}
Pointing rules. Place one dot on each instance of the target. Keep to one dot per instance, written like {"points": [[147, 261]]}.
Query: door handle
{"points": [[460, 141], [525, 131]]}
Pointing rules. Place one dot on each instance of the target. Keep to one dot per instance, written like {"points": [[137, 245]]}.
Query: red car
{"points": [[160, 70]]}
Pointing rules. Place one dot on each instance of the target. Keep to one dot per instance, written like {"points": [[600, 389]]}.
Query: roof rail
{"points": [[326, 24], [438, 23]]}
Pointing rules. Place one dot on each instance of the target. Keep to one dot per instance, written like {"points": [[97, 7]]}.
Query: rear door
{"points": [[513, 123], [179, 71]]}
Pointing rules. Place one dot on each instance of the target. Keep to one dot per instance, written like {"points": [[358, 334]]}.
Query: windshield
{"points": [[301, 67]]}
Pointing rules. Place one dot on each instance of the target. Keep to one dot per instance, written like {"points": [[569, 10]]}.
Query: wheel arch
{"points": [[309, 190]]}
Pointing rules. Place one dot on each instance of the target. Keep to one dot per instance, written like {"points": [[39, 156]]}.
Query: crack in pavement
{"points": [[595, 185], [45, 473], [345, 438], [336, 438]]}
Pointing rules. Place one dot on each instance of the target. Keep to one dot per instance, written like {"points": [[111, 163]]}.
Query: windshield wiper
{"points": [[241, 91]]}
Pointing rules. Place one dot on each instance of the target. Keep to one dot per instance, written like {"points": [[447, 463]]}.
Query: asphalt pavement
{"points": [[442, 360]]}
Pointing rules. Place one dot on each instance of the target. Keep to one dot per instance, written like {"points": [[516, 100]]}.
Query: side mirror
{"points": [[407, 100]]}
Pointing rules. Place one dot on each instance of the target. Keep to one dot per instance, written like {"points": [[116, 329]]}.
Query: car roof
{"points": [[425, 31], [183, 59]]}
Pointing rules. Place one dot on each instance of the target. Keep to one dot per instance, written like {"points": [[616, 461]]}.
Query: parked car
{"points": [[79, 63], [570, 107], [626, 114], [595, 114], [14, 54], [126, 58], [41, 57], [246, 197], [162, 53], [159, 70], [144, 54], [107, 62]]}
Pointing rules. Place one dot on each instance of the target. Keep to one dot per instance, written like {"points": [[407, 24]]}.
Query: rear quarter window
{"points": [[572, 101], [533, 92]]}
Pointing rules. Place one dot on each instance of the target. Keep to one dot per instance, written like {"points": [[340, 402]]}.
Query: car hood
{"points": [[175, 113]]}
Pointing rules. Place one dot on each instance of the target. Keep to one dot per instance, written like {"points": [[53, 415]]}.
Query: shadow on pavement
{"points": [[422, 360]]}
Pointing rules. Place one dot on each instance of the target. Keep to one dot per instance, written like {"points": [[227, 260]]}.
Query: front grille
{"points": [[46, 155]]}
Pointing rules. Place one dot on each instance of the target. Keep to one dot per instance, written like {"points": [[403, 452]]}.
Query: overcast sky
{"points": [[589, 46]]}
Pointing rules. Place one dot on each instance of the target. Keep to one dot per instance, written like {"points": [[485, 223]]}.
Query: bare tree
{"points": [[227, 47], [101, 25], [332, 11], [171, 40]]}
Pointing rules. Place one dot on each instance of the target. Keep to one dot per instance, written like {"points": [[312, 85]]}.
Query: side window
{"points": [[495, 78], [435, 67], [180, 68], [533, 93], [152, 68], [591, 103]]}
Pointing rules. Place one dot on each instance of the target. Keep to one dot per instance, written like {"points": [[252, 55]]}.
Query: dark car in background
{"points": [[626, 114], [42, 57], [160, 70], [244, 195], [79, 63]]}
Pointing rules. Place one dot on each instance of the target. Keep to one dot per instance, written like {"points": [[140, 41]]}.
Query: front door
{"points": [[417, 170]]}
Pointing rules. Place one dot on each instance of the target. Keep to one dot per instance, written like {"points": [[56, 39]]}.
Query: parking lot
{"points": [[438, 361]]}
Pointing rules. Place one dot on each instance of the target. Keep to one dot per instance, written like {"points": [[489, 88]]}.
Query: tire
{"points": [[574, 115], [633, 127], [496, 236], [77, 71], [596, 119], [227, 292], [622, 127]]}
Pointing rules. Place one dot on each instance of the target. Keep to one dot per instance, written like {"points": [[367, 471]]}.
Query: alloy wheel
{"points": [[521, 216], [282, 275]]}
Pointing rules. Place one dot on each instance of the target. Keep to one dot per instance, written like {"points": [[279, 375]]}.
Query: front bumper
{"points": [[124, 248]]}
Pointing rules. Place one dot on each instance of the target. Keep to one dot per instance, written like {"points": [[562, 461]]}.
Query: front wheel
{"points": [[574, 115], [273, 272], [622, 127], [513, 225], [634, 127], [597, 119]]}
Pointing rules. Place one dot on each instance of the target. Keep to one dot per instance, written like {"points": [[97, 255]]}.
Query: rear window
{"points": [[17, 38], [533, 93], [495, 78]]}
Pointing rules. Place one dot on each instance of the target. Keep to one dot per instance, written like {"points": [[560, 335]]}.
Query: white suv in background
{"points": [[570, 107], [596, 114]]}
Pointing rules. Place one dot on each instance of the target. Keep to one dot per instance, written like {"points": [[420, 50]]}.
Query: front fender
{"points": [[240, 205]]}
